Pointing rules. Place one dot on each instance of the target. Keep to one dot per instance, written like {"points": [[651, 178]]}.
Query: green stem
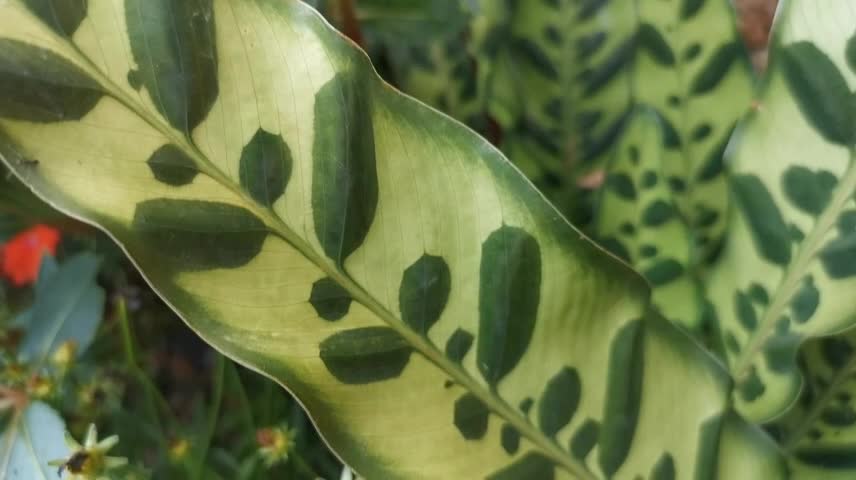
{"points": [[213, 415], [152, 396], [301, 464], [267, 403], [246, 411]]}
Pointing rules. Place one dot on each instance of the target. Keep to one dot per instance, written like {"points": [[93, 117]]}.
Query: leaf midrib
{"points": [[796, 270], [498, 405]]}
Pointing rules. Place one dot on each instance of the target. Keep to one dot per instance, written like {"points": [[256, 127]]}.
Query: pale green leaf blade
{"points": [[434, 314], [31, 440], [747, 452], [789, 257]]}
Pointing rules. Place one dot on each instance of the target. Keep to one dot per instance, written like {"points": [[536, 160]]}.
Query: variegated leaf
{"points": [[790, 263], [436, 317], [639, 221], [522, 49], [683, 59], [505, 75], [819, 433]]}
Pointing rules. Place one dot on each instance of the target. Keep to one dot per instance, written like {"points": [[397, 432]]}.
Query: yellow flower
{"points": [[89, 461], [64, 355], [275, 443], [178, 449], [39, 387]]}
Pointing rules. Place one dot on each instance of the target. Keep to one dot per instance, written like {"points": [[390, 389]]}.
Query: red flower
{"points": [[21, 257]]}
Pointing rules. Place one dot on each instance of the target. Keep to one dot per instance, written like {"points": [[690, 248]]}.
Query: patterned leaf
{"points": [[505, 74], [435, 315], [818, 433], [683, 60], [790, 254], [638, 220], [522, 50]]}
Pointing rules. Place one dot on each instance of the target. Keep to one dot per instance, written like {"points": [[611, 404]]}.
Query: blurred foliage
{"points": [[90, 343]]}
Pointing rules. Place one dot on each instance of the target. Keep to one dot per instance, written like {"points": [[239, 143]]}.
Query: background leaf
{"points": [[786, 267], [685, 62], [68, 307]]}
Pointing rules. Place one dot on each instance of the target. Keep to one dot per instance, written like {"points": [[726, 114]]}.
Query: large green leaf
{"points": [[434, 314], [789, 267], [686, 62]]}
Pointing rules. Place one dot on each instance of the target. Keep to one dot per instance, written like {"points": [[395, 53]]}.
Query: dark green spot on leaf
{"points": [[424, 292], [751, 388], [532, 466], [690, 7], [584, 439], [836, 351], [717, 67], [759, 294], [62, 16], [471, 417], [459, 345], [509, 294], [265, 167], [664, 469], [769, 232], [651, 40], [806, 301], [623, 397], [559, 402], [838, 257], [510, 439], [657, 213], [172, 166], [365, 355], [344, 178], [745, 311], [820, 90], [198, 235], [41, 86], [807, 190], [663, 272], [330, 301], [175, 48]]}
